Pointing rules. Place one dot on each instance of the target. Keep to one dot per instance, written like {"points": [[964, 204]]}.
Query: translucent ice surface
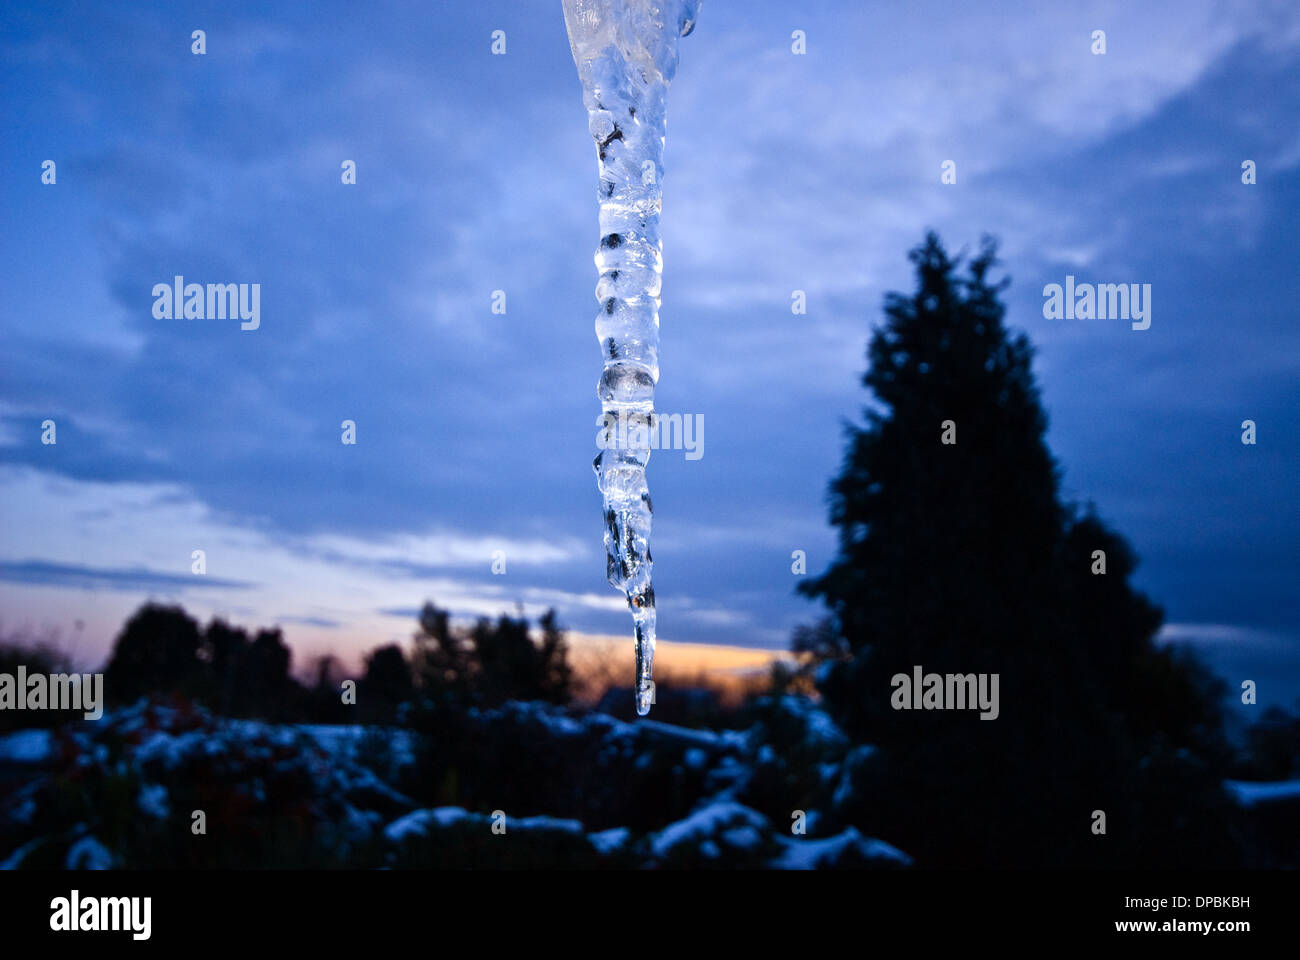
{"points": [[626, 54]]}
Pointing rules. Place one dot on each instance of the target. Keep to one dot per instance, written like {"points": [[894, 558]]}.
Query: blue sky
{"points": [[476, 431]]}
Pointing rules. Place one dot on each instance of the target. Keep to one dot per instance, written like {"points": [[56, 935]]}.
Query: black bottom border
{"points": [[664, 910]]}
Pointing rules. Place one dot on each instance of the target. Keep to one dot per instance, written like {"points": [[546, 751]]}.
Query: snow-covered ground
{"points": [[1249, 794], [25, 746], [138, 776], [524, 785]]}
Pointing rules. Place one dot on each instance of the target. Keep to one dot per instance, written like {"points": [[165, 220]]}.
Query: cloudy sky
{"points": [[476, 430]]}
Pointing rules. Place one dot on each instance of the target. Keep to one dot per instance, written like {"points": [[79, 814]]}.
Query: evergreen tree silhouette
{"points": [[162, 652], [268, 686], [960, 557], [387, 683], [156, 652], [556, 680], [224, 649], [493, 662], [441, 661]]}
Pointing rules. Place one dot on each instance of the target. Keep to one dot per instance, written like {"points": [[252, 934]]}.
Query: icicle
{"points": [[626, 54]]}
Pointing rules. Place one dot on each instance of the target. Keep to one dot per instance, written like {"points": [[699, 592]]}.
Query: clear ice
{"points": [[626, 54]]}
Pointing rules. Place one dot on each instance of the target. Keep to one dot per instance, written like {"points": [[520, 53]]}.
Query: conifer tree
{"points": [[957, 555]]}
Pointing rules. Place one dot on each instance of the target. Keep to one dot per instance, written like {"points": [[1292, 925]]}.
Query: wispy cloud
{"points": [[39, 573]]}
